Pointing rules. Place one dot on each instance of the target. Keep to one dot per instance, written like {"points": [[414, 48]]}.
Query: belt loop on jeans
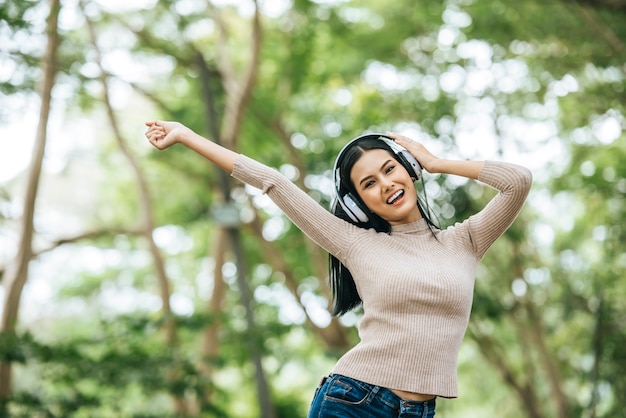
{"points": [[322, 381], [372, 394]]}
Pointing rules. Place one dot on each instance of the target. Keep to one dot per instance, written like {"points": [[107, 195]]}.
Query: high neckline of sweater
{"points": [[418, 226]]}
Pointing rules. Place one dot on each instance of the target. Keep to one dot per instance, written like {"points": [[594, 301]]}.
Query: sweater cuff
{"points": [[487, 171], [250, 171]]}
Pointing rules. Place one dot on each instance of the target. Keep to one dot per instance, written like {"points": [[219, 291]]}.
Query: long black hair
{"points": [[345, 295]]}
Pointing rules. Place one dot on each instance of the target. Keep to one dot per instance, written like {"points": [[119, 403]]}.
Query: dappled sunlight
{"points": [[117, 6], [55, 274], [229, 270], [274, 228], [172, 239], [608, 127], [387, 77], [317, 308], [181, 304], [519, 288], [299, 140], [543, 234], [124, 300], [275, 294]]}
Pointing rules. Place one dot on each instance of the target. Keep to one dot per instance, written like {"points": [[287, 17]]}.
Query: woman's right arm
{"points": [[163, 134], [325, 229]]}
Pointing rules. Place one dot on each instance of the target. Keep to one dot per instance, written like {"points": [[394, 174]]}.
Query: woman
{"points": [[415, 282]]}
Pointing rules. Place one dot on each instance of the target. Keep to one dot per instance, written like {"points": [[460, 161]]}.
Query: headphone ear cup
{"points": [[353, 209], [410, 164]]}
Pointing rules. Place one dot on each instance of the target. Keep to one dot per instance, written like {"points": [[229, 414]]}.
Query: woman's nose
{"points": [[387, 184]]}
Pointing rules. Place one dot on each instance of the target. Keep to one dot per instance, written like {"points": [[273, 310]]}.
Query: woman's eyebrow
{"points": [[382, 167]]}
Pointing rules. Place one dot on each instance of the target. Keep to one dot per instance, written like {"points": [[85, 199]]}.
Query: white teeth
{"points": [[395, 196]]}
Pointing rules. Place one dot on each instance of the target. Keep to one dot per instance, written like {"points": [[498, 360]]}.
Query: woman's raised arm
{"points": [[433, 164], [163, 134]]}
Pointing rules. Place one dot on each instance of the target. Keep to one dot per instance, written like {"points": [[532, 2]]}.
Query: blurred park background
{"points": [[138, 283]]}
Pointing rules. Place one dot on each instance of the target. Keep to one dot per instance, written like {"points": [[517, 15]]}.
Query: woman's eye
{"points": [[368, 184], [390, 168]]}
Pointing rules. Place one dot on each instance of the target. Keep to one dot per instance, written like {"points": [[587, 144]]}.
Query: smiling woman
{"points": [[414, 281]]}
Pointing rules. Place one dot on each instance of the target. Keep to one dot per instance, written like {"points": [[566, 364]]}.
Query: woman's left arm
{"points": [[433, 164], [512, 181]]}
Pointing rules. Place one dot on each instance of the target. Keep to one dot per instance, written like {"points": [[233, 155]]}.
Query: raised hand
{"points": [[421, 154], [163, 134], [433, 164]]}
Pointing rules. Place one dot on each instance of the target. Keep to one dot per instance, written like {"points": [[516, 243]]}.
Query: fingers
{"points": [[417, 149], [391, 134], [397, 136], [155, 134], [400, 139], [154, 127]]}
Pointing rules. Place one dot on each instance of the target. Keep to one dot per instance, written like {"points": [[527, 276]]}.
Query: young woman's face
{"points": [[385, 187]]}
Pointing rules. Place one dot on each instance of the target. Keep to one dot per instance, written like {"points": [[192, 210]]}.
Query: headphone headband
{"points": [[348, 202]]}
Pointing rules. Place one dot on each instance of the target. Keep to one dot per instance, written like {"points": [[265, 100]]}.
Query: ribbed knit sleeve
{"points": [[324, 228], [513, 183]]}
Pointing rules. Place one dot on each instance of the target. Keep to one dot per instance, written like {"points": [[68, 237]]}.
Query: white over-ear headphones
{"points": [[348, 202]]}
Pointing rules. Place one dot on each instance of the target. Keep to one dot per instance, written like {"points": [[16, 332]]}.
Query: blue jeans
{"points": [[343, 397]]}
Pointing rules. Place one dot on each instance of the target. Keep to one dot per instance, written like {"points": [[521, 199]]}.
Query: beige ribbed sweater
{"points": [[416, 289]]}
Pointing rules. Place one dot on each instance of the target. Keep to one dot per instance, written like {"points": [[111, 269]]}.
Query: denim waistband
{"points": [[385, 395]]}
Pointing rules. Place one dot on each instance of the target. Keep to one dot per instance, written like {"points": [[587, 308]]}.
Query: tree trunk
{"points": [[210, 343], [597, 345], [237, 97], [552, 371], [17, 272]]}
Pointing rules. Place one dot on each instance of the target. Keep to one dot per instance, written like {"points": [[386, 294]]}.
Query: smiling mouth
{"points": [[394, 197]]}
